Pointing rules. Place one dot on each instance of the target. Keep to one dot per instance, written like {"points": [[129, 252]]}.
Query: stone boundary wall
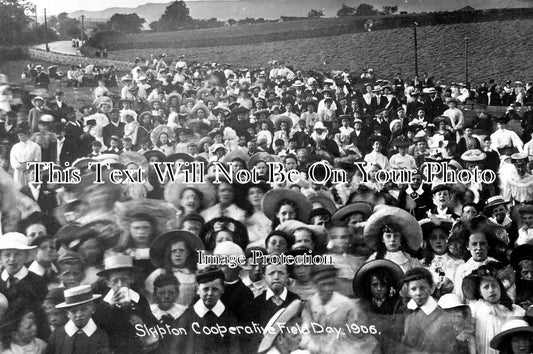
{"points": [[67, 59]]}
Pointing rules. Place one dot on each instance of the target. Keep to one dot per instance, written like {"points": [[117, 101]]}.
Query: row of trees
{"points": [[365, 10], [18, 26]]}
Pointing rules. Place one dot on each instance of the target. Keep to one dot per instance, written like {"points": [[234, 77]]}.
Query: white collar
{"points": [[419, 191], [201, 309], [270, 293], [175, 311], [134, 296], [430, 305], [89, 329], [37, 268], [21, 274]]}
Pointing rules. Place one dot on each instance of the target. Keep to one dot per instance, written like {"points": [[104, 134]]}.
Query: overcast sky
{"points": [[54, 7]]}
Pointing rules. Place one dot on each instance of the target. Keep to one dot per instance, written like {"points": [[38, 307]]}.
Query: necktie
{"points": [[11, 281], [167, 319], [414, 195], [277, 300]]}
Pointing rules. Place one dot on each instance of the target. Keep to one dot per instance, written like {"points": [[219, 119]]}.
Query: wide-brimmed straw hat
{"points": [[493, 202], [15, 241], [280, 119], [174, 191], [159, 246], [324, 202], [360, 207], [435, 223], [510, 328], [117, 262], [385, 215], [274, 197], [276, 323], [361, 283], [78, 295]]}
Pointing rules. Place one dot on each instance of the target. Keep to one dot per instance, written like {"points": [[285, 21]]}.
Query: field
{"points": [[499, 50]]}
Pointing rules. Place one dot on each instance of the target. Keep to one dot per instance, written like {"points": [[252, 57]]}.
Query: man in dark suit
{"points": [[427, 81], [276, 295], [59, 109], [421, 194], [433, 105], [65, 149], [43, 195], [380, 100], [114, 128], [343, 107], [359, 137]]}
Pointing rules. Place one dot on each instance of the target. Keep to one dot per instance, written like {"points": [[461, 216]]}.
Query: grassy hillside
{"points": [[501, 50]]}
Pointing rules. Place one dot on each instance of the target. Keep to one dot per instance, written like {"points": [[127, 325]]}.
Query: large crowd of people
{"points": [[435, 263]]}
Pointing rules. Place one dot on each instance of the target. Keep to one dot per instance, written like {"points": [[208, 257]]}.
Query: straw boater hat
{"points": [[510, 328], [117, 262], [386, 215], [274, 325], [493, 202], [78, 295], [361, 278], [358, 207], [165, 241], [274, 197], [474, 155]]}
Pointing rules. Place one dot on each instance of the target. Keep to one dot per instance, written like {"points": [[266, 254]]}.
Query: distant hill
{"points": [[273, 9]]}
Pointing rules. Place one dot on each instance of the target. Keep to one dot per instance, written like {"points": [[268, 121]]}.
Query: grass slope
{"points": [[501, 50]]}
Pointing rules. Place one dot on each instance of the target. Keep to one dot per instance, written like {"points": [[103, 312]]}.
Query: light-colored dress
{"points": [[489, 320], [404, 260]]}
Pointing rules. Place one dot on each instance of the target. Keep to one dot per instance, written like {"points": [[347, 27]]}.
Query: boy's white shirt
{"points": [[428, 308], [89, 329]]}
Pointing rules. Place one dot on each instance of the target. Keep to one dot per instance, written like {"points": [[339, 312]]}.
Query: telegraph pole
{"points": [[35, 10], [82, 29], [415, 24], [46, 32], [466, 60]]}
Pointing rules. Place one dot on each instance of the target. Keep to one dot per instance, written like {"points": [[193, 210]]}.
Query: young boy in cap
{"points": [[80, 334], [16, 282], [165, 309], [207, 312], [122, 308], [427, 328], [330, 309], [71, 269]]}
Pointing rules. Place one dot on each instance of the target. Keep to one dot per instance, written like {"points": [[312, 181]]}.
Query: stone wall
{"points": [[67, 59]]}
